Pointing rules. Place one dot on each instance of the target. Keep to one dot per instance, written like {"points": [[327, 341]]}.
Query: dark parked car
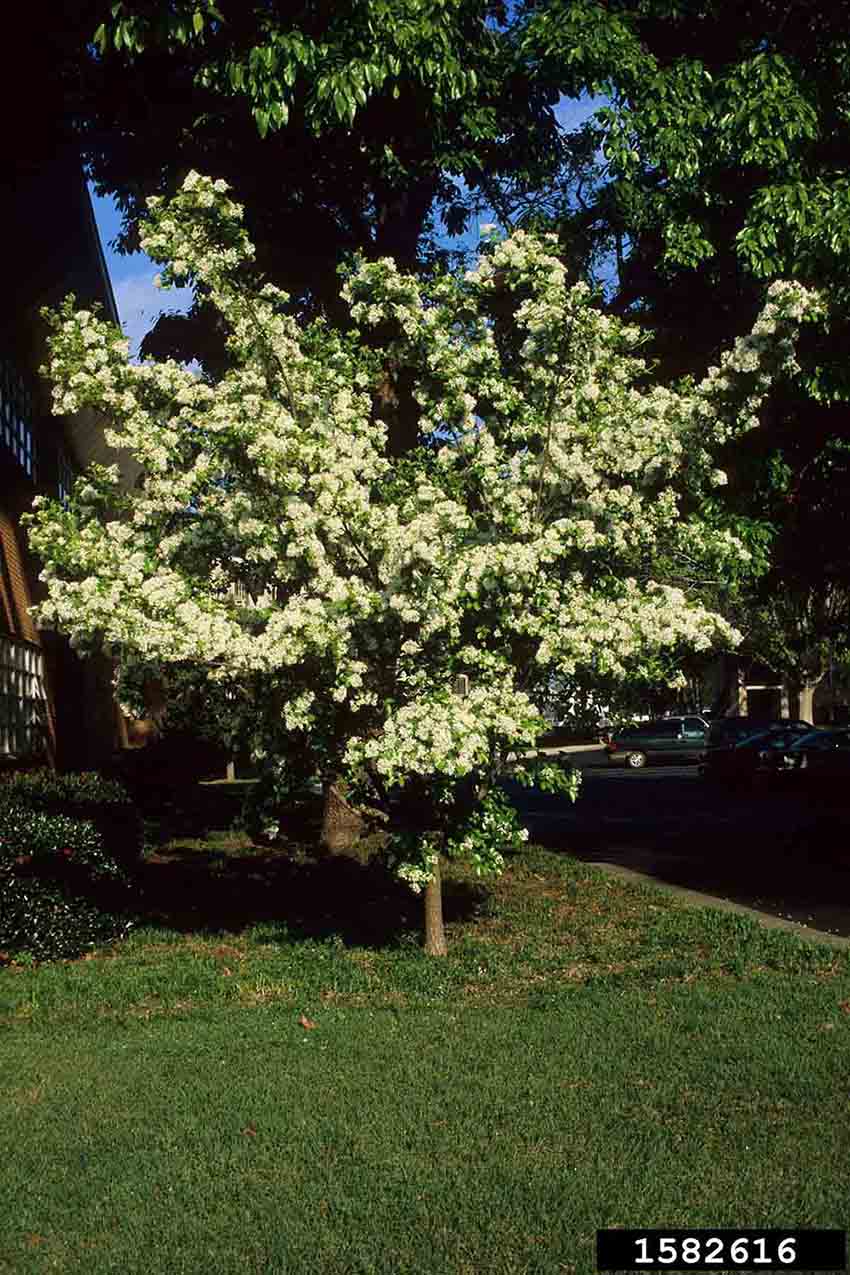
{"points": [[679, 739], [822, 754], [725, 732], [762, 753]]}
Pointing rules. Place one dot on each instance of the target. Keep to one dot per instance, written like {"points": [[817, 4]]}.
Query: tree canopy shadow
{"points": [[187, 883]]}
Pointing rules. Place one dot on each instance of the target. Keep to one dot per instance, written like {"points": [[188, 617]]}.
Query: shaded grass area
{"points": [[454, 1140], [591, 1053]]}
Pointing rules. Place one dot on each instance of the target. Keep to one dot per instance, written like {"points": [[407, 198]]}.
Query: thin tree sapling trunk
{"points": [[435, 934]]}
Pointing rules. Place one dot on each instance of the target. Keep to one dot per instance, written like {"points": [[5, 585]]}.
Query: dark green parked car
{"points": [[678, 739]]}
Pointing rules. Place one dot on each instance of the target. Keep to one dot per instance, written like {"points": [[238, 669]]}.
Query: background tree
{"points": [[799, 614], [720, 164], [348, 127]]}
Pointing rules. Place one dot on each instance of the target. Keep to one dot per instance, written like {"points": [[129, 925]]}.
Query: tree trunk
{"points": [[805, 701], [401, 215], [342, 826], [435, 934]]}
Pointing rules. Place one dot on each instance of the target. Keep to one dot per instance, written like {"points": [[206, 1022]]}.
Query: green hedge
{"points": [[44, 787], [82, 795], [62, 889], [40, 921]]}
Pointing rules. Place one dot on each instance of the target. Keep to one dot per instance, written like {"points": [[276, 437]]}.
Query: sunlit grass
{"points": [[590, 1054]]}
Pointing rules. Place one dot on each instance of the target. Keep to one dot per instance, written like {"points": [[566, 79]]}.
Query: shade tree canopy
{"points": [[718, 164], [348, 127]]}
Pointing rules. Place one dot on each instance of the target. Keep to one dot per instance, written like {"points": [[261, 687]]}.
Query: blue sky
{"points": [[140, 303]]}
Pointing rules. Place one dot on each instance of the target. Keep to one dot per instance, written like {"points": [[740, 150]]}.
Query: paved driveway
{"points": [[784, 853]]}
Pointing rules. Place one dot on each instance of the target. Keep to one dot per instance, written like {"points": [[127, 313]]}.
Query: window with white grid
{"points": [[16, 414], [23, 701]]}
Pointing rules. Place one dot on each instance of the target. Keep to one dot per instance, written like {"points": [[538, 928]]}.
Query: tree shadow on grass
{"points": [[196, 878]]}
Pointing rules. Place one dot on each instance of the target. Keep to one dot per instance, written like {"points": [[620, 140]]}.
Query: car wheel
{"points": [[636, 760]]}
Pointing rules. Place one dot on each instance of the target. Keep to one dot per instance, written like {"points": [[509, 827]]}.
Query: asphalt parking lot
{"points": [[783, 851]]}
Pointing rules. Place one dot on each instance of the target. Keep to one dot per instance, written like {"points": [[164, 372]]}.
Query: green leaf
{"points": [[278, 113], [198, 21]]}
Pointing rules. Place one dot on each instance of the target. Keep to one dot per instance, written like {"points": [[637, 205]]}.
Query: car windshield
{"points": [[773, 738], [732, 730], [816, 739], [736, 734]]}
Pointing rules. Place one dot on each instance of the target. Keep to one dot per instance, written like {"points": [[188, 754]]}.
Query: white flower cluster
{"points": [[418, 872], [492, 829], [440, 733]]}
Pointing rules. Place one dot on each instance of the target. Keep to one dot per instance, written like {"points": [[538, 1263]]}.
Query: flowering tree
{"points": [[327, 593]]}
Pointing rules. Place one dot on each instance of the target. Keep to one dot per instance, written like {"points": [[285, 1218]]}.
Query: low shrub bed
{"points": [[40, 922], [62, 887], [82, 795]]}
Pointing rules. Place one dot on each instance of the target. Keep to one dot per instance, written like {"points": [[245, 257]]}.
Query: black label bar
{"points": [[721, 1250]]}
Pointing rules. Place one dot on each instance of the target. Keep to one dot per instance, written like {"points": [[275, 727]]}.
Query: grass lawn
{"points": [[590, 1054]]}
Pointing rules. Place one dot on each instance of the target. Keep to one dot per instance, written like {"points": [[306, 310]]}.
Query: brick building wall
{"points": [[54, 706]]}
